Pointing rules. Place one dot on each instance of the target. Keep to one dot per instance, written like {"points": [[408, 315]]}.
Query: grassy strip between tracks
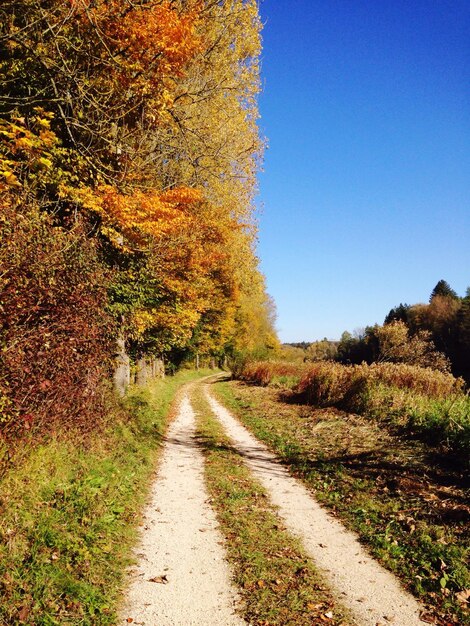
{"points": [[70, 511], [410, 512], [277, 583]]}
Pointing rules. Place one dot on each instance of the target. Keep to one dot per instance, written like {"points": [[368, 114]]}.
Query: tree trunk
{"points": [[141, 373], [122, 370], [159, 370]]}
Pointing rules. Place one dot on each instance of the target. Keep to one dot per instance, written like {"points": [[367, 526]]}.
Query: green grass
{"points": [[277, 582], [441, 422], [405, 509], [69, 513]]}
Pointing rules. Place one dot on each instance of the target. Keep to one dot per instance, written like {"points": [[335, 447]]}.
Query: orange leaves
{"points": [[154, 34], [149, 42], [144, 213], [138, 216]]}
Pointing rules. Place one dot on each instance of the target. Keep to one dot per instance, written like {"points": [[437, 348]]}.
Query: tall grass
{"points": [[272, 373], [425, 403]]}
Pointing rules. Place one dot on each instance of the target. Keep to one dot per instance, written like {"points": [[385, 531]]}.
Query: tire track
{"points": [[373, 595], [181, 547]]}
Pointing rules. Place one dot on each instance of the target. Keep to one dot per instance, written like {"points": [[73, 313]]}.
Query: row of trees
{"points": [[128, 156], [436, 335], [322, 350]]}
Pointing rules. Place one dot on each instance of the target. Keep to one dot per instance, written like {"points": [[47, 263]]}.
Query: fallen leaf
{"points": [[302, 571], [163, 580], [427, 617], [23, 614], [329, 615], [129, 620], [261, 583], [463, 596]]}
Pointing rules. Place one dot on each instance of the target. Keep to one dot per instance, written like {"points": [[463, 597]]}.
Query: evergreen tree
{"points": [[398, 314]]}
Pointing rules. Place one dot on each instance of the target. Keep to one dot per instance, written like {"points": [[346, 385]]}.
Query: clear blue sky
{"points": [[365, 193]]}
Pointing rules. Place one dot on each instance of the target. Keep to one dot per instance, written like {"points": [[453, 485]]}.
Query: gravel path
{"points": [[181, 548], [373, 594]]}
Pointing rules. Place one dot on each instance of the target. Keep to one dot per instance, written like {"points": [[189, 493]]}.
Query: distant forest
{"points": [[436, 334]]}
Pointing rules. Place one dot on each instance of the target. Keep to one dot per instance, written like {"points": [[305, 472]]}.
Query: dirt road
{"points": [[182, 577]]}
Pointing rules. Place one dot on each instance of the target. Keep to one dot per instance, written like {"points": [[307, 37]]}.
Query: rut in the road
{"points": [[181, 546], [373, 594]]}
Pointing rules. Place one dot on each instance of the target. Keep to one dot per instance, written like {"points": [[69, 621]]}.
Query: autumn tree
{"points": [[139, 120], [397, 345], [105, 69], [323, 350]]}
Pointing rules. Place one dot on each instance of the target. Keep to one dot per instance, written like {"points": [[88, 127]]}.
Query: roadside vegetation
{"points": [[385, 448], [277, 583], [70, 511], [420, 402], [127, 178]]}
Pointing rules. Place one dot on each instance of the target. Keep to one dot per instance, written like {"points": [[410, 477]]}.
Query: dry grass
{"points": [[271, 372], [421, 402]]}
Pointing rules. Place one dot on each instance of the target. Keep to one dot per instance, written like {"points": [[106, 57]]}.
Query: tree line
{"points": [[435, 335], [129, 149]]}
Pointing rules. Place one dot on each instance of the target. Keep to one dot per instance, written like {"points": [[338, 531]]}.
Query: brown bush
{"points": [[325, 383], [423, 380], [430, 404], [55, 335], [265, 372]]}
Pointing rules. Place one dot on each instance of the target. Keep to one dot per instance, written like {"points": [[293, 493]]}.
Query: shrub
{"points": [[324, 383], [267, 372], [430, 382], [424, 402], [55, 334]]}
